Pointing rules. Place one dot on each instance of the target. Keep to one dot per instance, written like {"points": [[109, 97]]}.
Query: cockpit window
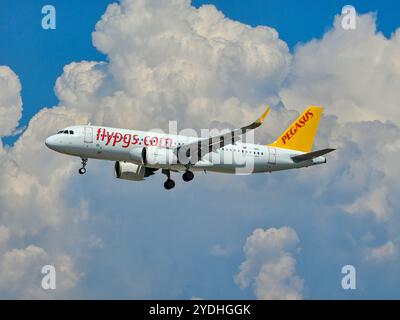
{"points": [[71, 132]]}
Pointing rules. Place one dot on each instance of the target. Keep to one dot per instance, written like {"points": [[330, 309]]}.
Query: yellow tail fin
{"points": [[300, 135]]}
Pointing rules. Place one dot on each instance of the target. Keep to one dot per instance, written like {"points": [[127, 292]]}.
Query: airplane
{"points": [[139, 154]]}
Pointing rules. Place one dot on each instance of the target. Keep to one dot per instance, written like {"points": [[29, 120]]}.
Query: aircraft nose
{"points": [[50, 142]]}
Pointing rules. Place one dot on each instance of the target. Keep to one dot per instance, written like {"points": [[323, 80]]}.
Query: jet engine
{"points": [[131, 171], [154, 156]]}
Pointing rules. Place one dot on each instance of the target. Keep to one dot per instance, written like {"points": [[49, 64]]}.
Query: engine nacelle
{"points": [[154, 156], [138, 155], [129, 171]]}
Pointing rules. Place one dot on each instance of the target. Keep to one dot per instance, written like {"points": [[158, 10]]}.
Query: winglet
{"points": [[261, 119], [258, 122]]}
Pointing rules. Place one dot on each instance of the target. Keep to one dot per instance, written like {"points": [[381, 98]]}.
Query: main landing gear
{"points": [[188, 176], [169, 184], [83, 169]]}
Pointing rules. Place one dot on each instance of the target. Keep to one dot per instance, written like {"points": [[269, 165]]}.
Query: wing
{"points": [[188, 152]]}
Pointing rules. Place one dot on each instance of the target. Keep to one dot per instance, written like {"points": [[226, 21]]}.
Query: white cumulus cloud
{"points": [[170, 61], [32, 186], [354, 74], [192, 65], [270, 266], [10, 101], [20, 273]]}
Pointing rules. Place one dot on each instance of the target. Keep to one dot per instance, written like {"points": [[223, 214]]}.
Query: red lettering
{"points": [[297, 126], [154, 141], [285, 137], [127, 140], [109, 137], [135, 139], [117, 138], [146, 140]]}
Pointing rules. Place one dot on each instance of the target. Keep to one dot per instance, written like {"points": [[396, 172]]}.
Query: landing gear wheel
{"points": [[83, 169], [169, 184], [188, 176]]}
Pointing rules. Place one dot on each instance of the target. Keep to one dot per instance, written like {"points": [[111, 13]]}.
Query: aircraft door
{"points": [[88, 138], [272, 156]]}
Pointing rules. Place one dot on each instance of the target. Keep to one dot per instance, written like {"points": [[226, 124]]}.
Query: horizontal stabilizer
{"points": [[311, 155]]}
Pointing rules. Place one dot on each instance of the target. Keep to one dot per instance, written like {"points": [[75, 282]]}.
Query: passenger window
{"points": [[71, 132]]}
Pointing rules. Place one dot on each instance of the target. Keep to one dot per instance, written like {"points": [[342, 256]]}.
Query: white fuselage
{"points": [[116, 145]]}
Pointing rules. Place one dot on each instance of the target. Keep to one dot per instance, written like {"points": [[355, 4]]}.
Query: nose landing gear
{"points": [[83, 169]]}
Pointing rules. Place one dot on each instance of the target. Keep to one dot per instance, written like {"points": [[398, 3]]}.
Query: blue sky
{"points": [[38, 56], [158, 245]]}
